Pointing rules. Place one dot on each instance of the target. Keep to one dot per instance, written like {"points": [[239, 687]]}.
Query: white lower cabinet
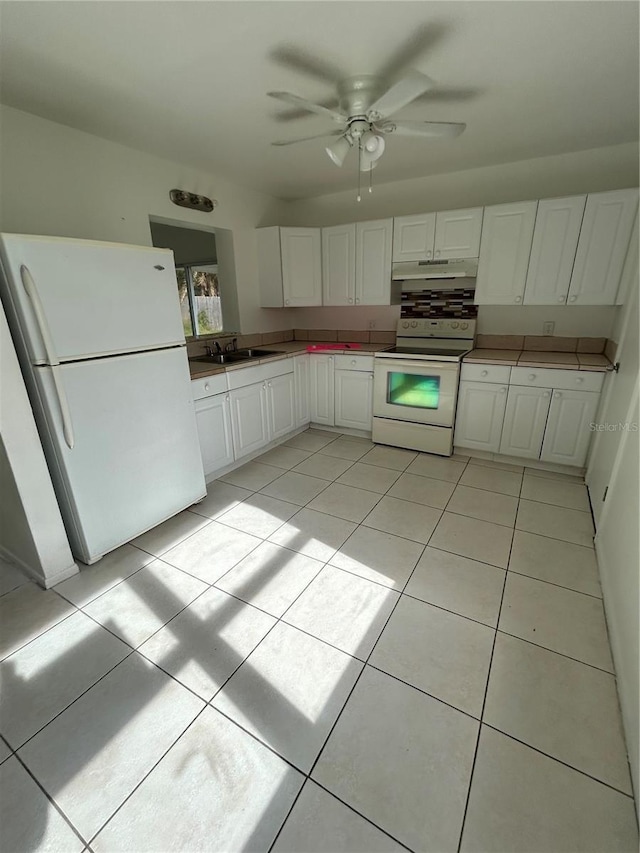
{"points": [[321, 389], [280, 406], [524, 421], [480, 415], [301, 389], [213, 418], [249, 419], [354, 399], [567, 436]]}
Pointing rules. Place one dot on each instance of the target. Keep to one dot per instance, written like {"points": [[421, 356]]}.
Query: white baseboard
{"points": [[45, 581]]}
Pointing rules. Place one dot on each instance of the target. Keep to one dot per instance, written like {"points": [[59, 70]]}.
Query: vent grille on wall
{"points": [[438, 303]]}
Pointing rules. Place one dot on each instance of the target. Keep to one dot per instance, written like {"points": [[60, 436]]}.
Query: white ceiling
{"points": [[187, 80]]}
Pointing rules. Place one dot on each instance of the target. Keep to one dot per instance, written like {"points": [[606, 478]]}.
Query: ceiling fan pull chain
{"points": [[371, 177], [359, 197]]}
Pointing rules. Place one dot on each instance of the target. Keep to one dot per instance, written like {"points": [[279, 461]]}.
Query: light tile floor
{"points": [[342, 648]]}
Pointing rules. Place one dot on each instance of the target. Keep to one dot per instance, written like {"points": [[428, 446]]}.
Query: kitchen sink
{"points": [[236, 356]]}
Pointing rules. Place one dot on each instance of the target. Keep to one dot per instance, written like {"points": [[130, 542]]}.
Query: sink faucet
{"points": [[232, 346]]}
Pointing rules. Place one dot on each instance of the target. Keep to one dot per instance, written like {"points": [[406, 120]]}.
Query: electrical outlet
{"points": [[372, 324], [548, 327]]}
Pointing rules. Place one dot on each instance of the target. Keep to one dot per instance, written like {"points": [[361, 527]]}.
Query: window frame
{"points": [[190, 296]]}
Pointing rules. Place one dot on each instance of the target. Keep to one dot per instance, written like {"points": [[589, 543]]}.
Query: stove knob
{"points": [[455, 325], [464, 325], [405, 325], [414, 324]]}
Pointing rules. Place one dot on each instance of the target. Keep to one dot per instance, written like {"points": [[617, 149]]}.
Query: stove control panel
{"points": [[425, 328]]}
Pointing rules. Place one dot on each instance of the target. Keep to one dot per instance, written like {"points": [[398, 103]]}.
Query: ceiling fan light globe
{"points": [[339, 150]]}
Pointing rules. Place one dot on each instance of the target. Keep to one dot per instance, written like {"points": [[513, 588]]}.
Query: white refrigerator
{"points": [[98, 331]]}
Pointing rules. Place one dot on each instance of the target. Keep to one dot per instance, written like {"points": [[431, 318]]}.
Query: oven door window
{"points": [[415, 390]]}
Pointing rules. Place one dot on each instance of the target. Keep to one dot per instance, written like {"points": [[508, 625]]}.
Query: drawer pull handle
{"points": [[484, 373], [206, 387], [579, 379], [532, 376]]}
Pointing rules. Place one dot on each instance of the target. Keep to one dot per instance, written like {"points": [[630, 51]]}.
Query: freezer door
{"points": [[97, 298], [135, 459]]}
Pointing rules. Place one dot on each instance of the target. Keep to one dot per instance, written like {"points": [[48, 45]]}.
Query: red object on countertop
{"points": [[316, 347]]}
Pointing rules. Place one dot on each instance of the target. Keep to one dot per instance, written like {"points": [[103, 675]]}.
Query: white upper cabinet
{"points": [[339, 265], [442, 236], [289, 267], [555, 240], [414, 237], [507, 233], [373, 262], [458, 234], [602, 247]]}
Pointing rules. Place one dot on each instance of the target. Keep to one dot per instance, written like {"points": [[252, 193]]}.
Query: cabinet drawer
{"points": [[354, 362], [566, 380], [485, 372], [209, 385], [240, 377]]}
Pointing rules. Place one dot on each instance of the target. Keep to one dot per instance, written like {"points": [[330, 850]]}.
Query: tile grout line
{"points": [[486, 688]]}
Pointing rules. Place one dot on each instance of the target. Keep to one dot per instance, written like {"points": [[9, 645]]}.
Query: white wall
{"points": [[599, 169], [32, 534], [60, 181]]}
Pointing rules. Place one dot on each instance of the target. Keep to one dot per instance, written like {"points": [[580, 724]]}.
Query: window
{"points": [[199, 293]]}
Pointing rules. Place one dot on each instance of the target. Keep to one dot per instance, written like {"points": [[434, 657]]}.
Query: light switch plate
{"points": [[548, 327]]}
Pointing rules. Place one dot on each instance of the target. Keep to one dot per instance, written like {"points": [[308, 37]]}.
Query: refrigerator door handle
{"points": [[52, 359], [41, 318], [67, 426]]}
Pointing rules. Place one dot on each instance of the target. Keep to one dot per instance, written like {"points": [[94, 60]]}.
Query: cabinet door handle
{"points": [[269, 385], [330, 358], [357, 299], [286, 301], [572, 298], [436, 254], [557, 395], [561, 299], [351, 299], [518, 299], [227, 398], [546, 394], [503, 390], [428, 253]]}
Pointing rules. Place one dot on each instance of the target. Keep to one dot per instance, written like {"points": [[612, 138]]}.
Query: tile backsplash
{"points": [[456, 302]]}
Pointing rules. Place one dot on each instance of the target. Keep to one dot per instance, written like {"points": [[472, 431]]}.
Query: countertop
{"points": [[533, 358], [198, 369]]}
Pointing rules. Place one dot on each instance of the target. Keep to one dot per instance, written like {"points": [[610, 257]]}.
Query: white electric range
{"points": [[416, 384]]}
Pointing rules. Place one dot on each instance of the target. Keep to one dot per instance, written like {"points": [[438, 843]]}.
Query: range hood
{"points": [[428, 270]]}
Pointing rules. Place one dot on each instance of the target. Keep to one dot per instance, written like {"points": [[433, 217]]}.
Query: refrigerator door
{"points": [[96, 298], [135, 459]]}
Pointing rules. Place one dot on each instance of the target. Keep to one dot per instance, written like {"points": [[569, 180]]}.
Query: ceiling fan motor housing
{"points": [[358, 93]]}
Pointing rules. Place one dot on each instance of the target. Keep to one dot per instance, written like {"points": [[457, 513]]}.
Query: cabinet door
{"points": [[214, 431], [413, 237], [301, 266], [321, 389], [555, 240], [567, 436], [301, 379], [339, 265], [249, 420], [507, 232], [354, 399], [281, 408], [373, 262], [524, 421], [602, 247], [458, 233], [480, 415]]}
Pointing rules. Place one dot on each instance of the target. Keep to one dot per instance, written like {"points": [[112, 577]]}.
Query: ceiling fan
{"points": [[364, 111]]}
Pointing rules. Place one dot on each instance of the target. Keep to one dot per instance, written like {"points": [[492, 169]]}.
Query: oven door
{"points": [[423, 392]]}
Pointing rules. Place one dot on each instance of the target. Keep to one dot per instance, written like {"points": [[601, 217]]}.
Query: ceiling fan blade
{"points": [[400, 94], [297, 113], [420, 42], [448, 94], [297, 101], [305, 138], [299, 60], [426, 128]]}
